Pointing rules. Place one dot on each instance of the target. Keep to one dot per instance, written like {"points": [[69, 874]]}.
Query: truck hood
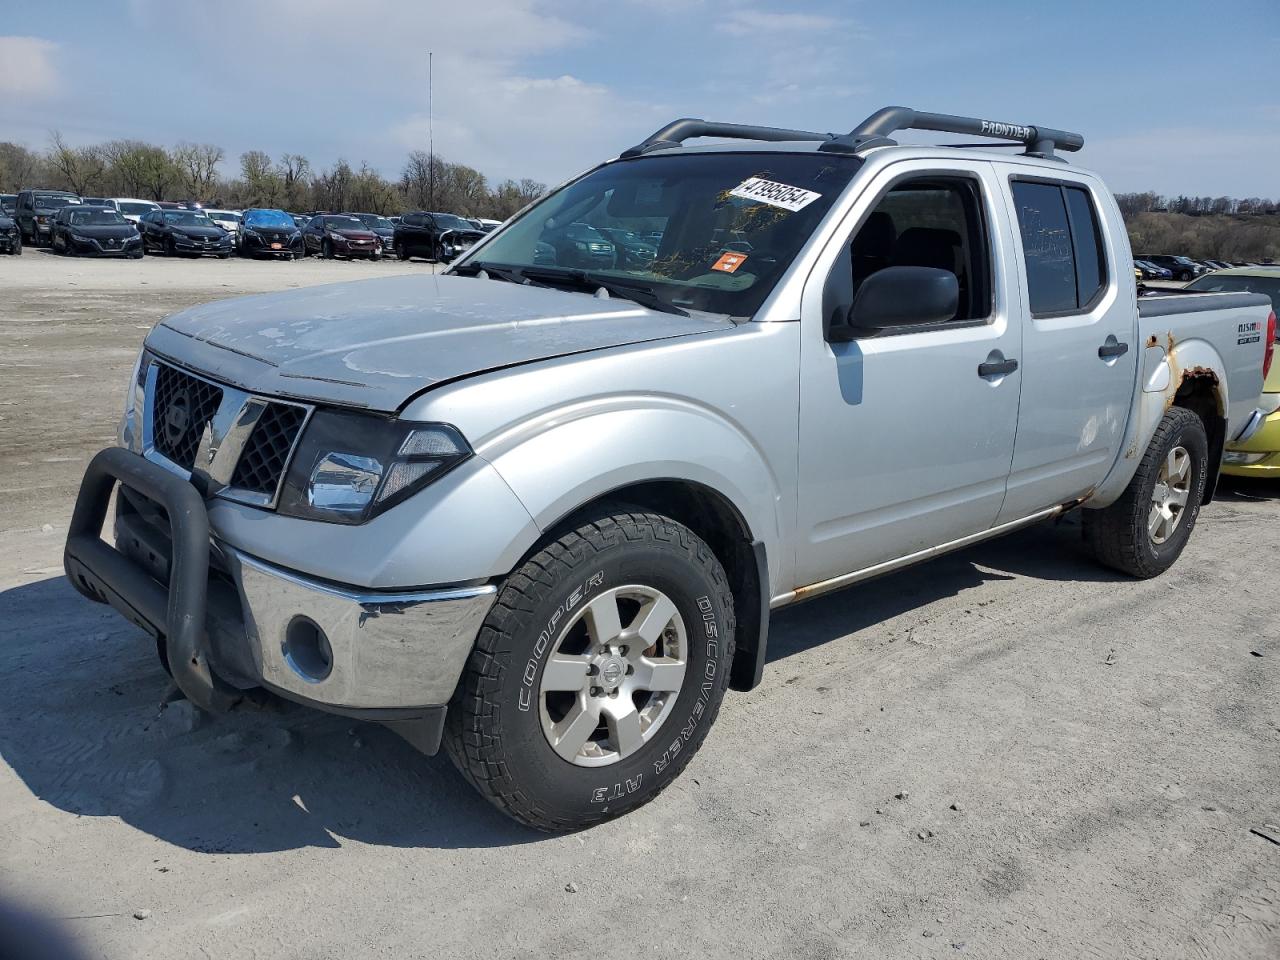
{"points": [[377, 343]]}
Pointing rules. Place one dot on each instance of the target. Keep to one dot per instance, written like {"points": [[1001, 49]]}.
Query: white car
{"points": [[228, 220], [132, 208]]}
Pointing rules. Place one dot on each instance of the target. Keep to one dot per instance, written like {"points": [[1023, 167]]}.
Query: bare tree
{"points": [[79, 167], [197, 168]]}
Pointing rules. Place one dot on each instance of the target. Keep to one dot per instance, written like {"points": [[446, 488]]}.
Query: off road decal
{"points": [[774, 194], [711, 633], [570, 603]]}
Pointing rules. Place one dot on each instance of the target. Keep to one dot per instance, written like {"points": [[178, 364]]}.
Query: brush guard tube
{"points": [[175, 614]]}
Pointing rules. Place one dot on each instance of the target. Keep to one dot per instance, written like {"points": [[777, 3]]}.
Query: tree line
{"points": [[1224, 228], [193, 171]]}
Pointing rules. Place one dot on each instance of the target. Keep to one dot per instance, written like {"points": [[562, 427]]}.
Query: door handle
{"points": [[996, 368], [1111, 349]]}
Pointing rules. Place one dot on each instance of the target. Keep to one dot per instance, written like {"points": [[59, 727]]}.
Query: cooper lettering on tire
{"points": [[597, 672]]}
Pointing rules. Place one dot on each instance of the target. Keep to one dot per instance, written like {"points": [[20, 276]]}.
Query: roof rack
{"points": [[872, 132]]}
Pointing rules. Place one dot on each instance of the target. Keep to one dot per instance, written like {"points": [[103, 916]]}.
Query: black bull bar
{"points": [[175, 614]]}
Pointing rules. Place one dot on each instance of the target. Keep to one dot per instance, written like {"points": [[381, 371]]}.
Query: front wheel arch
{"points": [[720, 524]]}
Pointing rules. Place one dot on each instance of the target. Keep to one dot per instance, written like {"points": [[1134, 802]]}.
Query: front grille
{"points": [[266, 454], [182, 408]]}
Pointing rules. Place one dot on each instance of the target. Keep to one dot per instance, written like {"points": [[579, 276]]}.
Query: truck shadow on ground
{"points": [[81, 724], [1047, 551]]}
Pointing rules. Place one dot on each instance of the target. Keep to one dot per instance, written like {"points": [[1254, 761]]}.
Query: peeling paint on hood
{"points": [[376, 343]]}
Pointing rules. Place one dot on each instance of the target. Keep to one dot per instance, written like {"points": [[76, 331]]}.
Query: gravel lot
{"points": [[1009, 752]]}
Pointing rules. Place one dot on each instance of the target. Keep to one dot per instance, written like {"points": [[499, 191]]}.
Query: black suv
{"points": [[35, 212], [82, 230], [436, 236]]}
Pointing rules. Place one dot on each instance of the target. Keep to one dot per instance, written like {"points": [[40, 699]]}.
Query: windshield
{"points": [[137, 209], [1230, 283], [96, 218], [447, 221], [267, 218], [724, 226], [53, 200], [344, 223], [222, 215], [187, 218], [375, 222]]}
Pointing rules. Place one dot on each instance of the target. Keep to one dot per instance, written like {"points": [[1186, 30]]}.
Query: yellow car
{"points": [[1259, 456]]}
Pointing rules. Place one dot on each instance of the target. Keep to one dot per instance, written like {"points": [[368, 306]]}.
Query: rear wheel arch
{"points": [[1200, 392]]}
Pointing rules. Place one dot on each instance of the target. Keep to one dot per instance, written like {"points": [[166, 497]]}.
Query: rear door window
{"points": [[1061, 246]]}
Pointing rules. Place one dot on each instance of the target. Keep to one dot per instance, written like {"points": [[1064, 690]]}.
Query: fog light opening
{"points": [[307, 650]]}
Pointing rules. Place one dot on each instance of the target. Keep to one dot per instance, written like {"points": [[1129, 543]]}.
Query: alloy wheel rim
{"points": [[613, 675], [1170, 495]]}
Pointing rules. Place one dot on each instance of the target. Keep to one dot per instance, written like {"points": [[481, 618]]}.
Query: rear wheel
{"points": [[596, 674], [1143, 532]]}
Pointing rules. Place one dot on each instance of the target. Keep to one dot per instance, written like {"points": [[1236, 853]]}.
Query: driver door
{"points": [[904, 443]]}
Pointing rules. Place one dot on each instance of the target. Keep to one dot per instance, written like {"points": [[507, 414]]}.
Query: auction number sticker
{"points": [[775, 194]]}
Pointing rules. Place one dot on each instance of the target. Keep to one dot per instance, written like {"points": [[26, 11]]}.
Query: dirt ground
{"points": [[1008, 752]]}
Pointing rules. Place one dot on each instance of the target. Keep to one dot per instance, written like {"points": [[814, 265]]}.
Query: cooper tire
{"points": [[502, 718], [1136, 534]]}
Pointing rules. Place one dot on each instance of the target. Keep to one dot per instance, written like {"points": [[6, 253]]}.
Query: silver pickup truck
{"points": [[540, 507]]}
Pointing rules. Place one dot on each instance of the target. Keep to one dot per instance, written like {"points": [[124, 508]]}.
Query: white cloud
{"points": [[1188, 160], [743, 23], [26, 67], [517, 126]]}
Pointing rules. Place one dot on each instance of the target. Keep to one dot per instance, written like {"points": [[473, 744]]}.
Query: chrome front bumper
{"points": [[379, 651]]}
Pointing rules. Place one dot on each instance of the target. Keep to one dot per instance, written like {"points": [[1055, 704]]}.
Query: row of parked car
{"points": [[1148, 266], [130, 227]]}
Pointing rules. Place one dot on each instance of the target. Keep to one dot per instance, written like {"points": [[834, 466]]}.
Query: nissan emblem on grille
{"points": [[229, 442]]}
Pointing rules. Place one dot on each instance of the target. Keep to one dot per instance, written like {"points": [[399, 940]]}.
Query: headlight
{"points": [[130, 435], [251, 233], [79, 239], [349, 467]]}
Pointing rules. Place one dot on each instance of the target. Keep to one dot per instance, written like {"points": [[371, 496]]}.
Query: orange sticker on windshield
{"points": [[729, 262]]}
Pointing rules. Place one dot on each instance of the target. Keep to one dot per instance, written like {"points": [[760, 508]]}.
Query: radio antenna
{"points": [[431, 136]]}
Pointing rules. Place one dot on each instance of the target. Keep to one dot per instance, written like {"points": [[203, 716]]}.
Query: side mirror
{"points": [[900, 297]]}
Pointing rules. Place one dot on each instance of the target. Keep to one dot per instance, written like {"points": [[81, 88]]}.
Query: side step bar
{"points": [[866, 573]]}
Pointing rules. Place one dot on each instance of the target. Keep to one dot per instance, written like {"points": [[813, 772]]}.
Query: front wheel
{"points": [[1143, 532], [402, 252], [597, 673], [326, 250]]}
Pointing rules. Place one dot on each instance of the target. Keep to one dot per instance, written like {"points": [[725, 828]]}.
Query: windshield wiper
{"points": [[636, 292], [509, 274]]}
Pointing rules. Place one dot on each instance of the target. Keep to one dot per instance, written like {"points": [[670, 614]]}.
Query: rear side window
{"points": [[1062, 247]]}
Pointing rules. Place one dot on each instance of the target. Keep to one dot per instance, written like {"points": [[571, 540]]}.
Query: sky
{"points": [[1174, 96]]}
